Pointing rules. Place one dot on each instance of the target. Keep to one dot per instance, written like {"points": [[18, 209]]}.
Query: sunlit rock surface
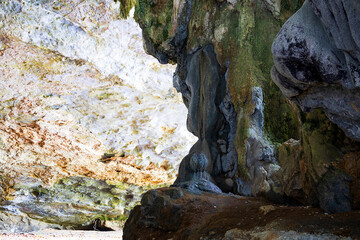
{"points": [[79, 96], [71, 203]]}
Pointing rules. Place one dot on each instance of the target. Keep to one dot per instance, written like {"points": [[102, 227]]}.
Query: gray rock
{"points": [[334, 192], [197, 186], [259, 152], [274, 6], [74, 203], [198, 164], [317, 61], [212, 118], [22, 223], [258, 149]]}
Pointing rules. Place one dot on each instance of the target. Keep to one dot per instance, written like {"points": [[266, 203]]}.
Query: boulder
{"points": [[175, 213]]}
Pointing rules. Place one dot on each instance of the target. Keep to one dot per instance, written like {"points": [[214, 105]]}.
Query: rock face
{"points": [[212, 118], [71, 203], [207, 54], [174, 213], [93, 63], [80, 97], [317, 59], [252, 139]]}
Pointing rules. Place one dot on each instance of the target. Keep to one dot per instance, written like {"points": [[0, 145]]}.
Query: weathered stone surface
{"points": [[73, 203], [334, 192], [164, 27], [260, 155], [289, 177], [22, 223], [174, 213], [80, 97], [82, 74], [225, 138], [317, 59], [255, 122], [351, 164], [274, 6], [278, 235], [213, 155]]}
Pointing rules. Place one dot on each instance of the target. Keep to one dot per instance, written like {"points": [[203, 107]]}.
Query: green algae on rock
{"points": [[242, 33], [312, 68], [74, 202], [125, 7], [156, 19]]}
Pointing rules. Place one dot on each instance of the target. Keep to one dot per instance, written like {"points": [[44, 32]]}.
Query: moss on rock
{"points": [[125, 7], [74, 202], [156, 20], [242, 33]]}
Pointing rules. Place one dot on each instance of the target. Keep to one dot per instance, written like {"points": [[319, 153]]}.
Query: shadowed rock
{"points": [[317, 66], [317, 61], [212, 159], [241, 119], [174, 213]]}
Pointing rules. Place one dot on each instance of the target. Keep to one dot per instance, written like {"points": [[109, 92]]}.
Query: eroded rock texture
{"points": [[211, 117], [80, 97], [71, 203], [222, 51], [317, 61], [252, 139], [316, 57]]}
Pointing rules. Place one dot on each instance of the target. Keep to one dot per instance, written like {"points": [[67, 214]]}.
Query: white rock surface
{"points": [[50, 234], [75, 83]]}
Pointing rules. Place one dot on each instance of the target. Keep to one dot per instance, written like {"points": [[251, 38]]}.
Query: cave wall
{"points": [[316, 66], [253, 137]]}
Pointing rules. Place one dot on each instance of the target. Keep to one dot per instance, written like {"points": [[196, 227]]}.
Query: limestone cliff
{"points": [[252, 140], [85, 115]]}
